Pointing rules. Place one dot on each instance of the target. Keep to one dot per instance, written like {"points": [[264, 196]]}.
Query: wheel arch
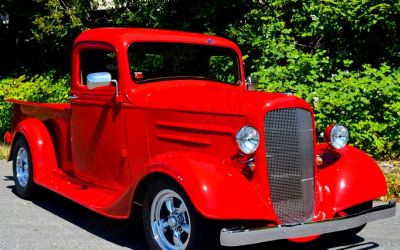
{"points": [[15, 138], [40, 145], [216, 190], [144, 185], [354, 178]]}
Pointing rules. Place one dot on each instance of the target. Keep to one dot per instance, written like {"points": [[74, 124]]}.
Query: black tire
{"points": [[349, 233], [23, 169], [203, 234]]}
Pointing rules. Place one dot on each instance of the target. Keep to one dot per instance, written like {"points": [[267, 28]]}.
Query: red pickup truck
{"points": [[165, 120]]}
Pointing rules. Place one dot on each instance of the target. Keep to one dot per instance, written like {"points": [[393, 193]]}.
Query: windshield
{"points": [[162, 61]]}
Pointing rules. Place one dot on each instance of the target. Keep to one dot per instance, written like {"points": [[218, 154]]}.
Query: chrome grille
{"points": [[289, 141]]}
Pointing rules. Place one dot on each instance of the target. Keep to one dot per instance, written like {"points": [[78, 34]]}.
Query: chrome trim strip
{"points": [[252, 236]]}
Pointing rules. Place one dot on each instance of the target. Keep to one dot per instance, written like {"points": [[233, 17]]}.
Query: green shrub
{"points": [[47, 87], [367, 102], [322, 51]]}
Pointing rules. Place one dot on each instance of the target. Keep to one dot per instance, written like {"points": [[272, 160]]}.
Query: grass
{"points": [[391, 169], [4, 151]]}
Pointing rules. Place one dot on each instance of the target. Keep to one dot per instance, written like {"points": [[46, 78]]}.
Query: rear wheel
{"points": [[171, 222], [22, 169]]}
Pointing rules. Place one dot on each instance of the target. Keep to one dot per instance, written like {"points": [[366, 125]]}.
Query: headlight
{"points": [[248, 139], [337, 135]]}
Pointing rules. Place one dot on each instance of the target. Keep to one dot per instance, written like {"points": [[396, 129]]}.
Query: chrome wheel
{"points": [[170, 220], [22, 167]]}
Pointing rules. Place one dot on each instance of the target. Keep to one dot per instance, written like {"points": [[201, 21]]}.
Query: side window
{"points": [[97, 60], [147, 65]]}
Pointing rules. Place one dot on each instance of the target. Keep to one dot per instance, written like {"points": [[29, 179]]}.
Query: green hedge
{"points": [[322, 51], [48, 87], [366, 101]]}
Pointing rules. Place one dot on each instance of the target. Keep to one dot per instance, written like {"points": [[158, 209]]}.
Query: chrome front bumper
{"points": [[242, 237]]}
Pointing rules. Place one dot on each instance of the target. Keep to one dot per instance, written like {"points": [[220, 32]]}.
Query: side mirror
{"points": [[98, 79], [251, 83], [101, 79]]}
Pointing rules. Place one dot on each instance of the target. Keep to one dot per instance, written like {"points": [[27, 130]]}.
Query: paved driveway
{"points": [[53, 222]]}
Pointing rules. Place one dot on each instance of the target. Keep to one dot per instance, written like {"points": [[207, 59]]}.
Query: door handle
{"points": [[73, 97]]}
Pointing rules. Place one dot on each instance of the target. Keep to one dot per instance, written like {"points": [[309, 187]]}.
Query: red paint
{"points": [[353, 179], [8, 137], [98, 149], [304, 239], [327, 132]]}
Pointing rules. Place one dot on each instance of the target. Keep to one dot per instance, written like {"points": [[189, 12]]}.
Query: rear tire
{"points": [[171, 222], [23, 169]]}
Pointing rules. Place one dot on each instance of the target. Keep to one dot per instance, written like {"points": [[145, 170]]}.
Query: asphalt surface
{"points": [[53, 222]]}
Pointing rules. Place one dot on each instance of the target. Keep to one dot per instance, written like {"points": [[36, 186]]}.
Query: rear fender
{"points": [[41, 147], [217, 190], [352, 179]]}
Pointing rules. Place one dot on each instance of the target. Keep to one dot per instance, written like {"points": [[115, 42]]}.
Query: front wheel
{"points": [[22, 169], [171, 222]]}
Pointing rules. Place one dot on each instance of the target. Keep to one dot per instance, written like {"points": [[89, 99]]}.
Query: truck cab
{"points": [[164, 120]]}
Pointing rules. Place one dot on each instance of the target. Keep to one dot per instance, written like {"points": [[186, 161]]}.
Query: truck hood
{"points": [[210, 97], [203, 116]]}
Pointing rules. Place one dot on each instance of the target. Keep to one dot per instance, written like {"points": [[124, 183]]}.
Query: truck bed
{"points": [[55, 117], [55, 106], [62, 179]]}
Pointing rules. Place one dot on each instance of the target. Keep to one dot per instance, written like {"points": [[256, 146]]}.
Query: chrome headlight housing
{"points": [[248, 139], [337, 135]]}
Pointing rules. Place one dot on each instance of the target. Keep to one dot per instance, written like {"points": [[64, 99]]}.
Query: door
{"points": [[97, 121]]}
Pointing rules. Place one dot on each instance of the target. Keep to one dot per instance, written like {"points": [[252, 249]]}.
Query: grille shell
{"points": [[289, 138]]}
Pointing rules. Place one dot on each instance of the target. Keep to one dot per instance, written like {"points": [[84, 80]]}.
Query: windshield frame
{"points": [[236, 66]]}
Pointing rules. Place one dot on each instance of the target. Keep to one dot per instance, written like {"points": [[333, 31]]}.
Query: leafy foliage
{"points": [[321, 51], [201, 16], [46, 29], [342, 56], [367, 102], [39, 88], [62, 21], [349, 29]]}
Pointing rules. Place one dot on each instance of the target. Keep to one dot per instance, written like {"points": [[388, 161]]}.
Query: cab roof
{"points": [[125, 36]]}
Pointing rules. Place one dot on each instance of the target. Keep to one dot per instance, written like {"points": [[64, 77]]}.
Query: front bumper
{"points": [[242, 237]]}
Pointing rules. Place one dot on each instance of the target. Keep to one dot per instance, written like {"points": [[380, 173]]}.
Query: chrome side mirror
{"points": [[101, 79], [98, 79], [251, 83]]}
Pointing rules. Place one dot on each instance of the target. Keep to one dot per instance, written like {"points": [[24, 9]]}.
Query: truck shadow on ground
{"points": [[129, 233]]}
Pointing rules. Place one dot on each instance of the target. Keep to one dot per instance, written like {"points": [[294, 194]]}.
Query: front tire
{"points": [[171, 223], [23, 169]]}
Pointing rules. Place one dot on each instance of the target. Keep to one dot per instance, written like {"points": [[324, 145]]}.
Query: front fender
{"points": [[352, 179], [217, 191], [40, 145]]}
